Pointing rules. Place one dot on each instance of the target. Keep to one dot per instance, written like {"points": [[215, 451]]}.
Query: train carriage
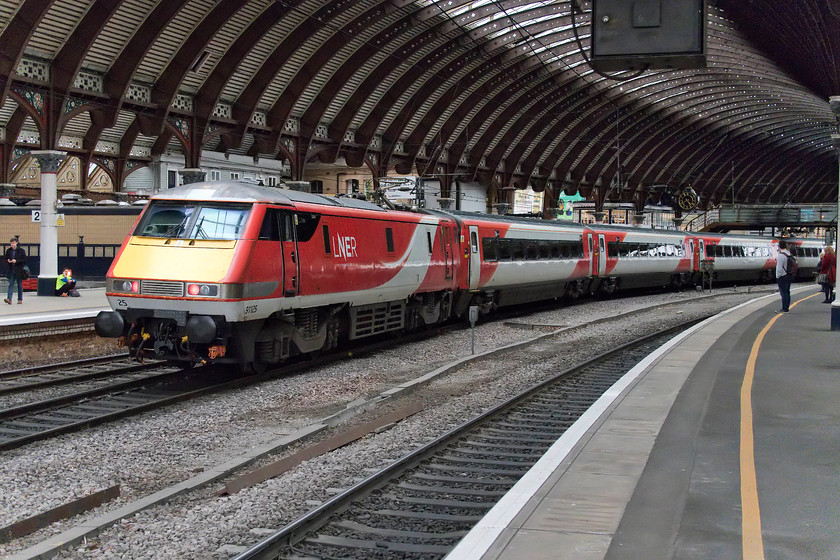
{"points": [[510, 261]]}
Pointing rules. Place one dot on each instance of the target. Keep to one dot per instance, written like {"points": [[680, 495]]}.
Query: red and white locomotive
{"points": [[231, 272]]}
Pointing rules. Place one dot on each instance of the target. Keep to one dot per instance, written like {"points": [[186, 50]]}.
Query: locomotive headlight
{"points": [[203, 290], [127, 286]]}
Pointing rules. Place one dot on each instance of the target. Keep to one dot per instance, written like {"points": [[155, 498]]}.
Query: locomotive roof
{"points": [[232, 191], [226, 191]]}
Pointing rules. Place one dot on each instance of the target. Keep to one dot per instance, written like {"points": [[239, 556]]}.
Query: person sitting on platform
{"points": [[65, 285]]}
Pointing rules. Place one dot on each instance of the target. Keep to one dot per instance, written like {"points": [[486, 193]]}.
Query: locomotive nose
{"points": [[109, 324]]}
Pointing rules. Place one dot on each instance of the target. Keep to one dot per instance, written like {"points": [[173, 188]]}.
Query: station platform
{"points": [[42, 309], [724, 443]]}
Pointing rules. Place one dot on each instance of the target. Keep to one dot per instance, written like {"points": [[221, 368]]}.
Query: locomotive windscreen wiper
{"points": [[172, 231], [199, 231]]}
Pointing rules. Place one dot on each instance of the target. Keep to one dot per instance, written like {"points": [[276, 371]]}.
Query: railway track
{"points": [[140, 387], [122, 394], [17, 381], [423, 504]]}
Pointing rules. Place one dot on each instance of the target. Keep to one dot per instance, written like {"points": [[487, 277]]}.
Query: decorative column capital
{"points": [[49, 160], [192, 175]]}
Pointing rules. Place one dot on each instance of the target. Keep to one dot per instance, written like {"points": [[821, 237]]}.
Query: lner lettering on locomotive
{"points": [[345, 246]]}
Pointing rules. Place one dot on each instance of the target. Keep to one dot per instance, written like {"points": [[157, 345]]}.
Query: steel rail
{"points": [[68, 372], [502, 474]]}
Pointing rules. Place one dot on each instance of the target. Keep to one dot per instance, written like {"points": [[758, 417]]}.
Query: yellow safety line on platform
{"points": [[752, 545]]}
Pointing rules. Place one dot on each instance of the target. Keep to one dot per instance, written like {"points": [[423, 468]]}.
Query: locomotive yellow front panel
{"points": [[175, 259]]}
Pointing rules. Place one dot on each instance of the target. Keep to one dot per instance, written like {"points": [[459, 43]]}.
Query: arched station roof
{"points": [[496, 91]]}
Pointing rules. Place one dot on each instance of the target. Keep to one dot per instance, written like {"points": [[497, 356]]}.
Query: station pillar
{"points": [[49, 161]]}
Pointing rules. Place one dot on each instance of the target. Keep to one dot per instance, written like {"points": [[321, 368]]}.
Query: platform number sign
{"points": [[59, 218]]}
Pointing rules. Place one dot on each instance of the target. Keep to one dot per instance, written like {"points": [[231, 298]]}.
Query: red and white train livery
{"points": [[231, 272]]}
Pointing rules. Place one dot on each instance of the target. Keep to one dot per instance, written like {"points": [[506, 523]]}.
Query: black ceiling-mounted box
{"points": [[640, 34]]}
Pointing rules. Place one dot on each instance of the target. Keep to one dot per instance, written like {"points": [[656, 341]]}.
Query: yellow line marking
{"points": [[752, 545]]}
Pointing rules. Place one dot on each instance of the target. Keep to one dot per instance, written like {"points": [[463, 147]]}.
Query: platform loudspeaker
{"points": [[648, 34]]}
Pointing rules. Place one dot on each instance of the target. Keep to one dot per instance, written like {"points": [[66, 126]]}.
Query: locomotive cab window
{"points": [[270, 229], [194, 221], [306, 226]]}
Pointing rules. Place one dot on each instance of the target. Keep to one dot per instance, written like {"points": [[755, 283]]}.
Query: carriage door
{"points": [[475, 260], [695, 257], [445, 234], [291, 262], [597, 253], [701, 252], [602, 253]]}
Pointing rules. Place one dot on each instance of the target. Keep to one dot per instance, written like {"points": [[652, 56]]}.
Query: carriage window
{"points": [[488, 247], [429, 241], [531, 250], [555, 250], [543, 249], [504, 249], [612, 248], [518, 250], [389, 240]]}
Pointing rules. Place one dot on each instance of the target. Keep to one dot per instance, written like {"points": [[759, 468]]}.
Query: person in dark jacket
{"points": [[15, 260], [783, 277], [828, 266]]}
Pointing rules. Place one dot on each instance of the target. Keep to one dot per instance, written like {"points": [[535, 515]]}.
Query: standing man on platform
{"points": [[782, 277], [15, 259]]}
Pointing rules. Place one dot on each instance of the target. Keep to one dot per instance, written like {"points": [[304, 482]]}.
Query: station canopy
{"points": [[496, 92]]}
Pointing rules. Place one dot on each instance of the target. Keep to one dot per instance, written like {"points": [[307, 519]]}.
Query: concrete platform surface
{"points": [[723, 444], [40, 309]]}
